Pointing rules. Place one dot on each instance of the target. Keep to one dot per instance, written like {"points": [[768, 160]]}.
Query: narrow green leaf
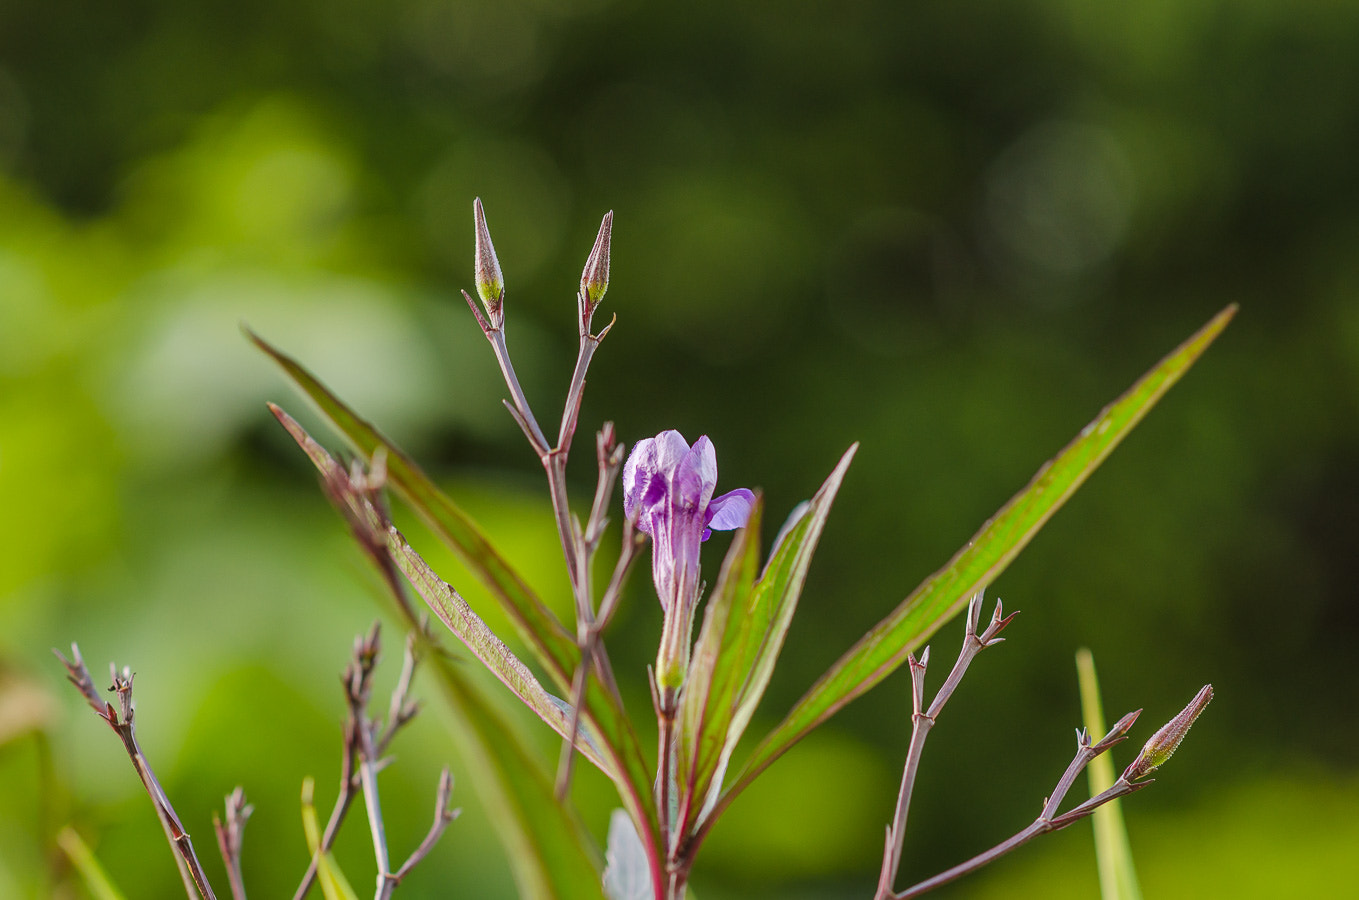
{"points": [[536, 625], [454, 612], [1117, 876], [606, 737], [743, 632], [555, 649], [979, 562], [776, 594], [97, 881], [715, 677]]}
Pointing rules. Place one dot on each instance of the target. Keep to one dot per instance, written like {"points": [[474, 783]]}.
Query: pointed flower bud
{"points": [[1164, 742], [594, 280], [490, 283]]}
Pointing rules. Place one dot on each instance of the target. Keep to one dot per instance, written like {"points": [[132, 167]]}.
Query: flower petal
{"points": [[637, 474], [688, 492], [694, 479], [670, 447], [705, 461], [731, 510]]}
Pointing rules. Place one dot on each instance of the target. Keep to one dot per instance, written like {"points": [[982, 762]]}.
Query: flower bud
{"points": [[1164, 742], [594, 280], [490, 283]]}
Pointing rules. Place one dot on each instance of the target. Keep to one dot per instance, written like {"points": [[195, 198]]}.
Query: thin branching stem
{"points": [[1038, 827], [578, 546], [554, 465], [358, 682], [584, 543], [401, 709], [352, 775], [229, 837], [368, 770], [589, 343], [579, 684], [443, 815], [1047, 820], [632, 543], [521, 405], [120, 719], [923, 720], [920, 729]]}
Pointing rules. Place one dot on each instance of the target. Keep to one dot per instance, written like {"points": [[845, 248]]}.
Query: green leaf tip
{"points": [[981, 560]]}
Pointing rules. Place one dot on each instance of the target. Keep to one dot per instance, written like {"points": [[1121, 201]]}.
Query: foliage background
{"points": [[950, 231]]}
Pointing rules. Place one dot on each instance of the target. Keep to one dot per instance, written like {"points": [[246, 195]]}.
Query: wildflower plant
{"points": [[674, 776]]}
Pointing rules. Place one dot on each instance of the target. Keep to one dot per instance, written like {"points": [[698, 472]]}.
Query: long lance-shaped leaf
{"points": [[605, 737], [536, 625], [878, 653], [744, 647], [449, 605], [453, 611], [555, 649]]}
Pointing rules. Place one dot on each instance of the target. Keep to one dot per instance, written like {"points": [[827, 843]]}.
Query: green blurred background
{"points": [[949, 231]]}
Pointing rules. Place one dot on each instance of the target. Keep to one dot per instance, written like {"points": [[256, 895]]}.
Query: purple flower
{"points": [[668, 488]]}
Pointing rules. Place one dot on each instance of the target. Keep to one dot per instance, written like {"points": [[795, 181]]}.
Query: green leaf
{"points": [[743, 631], [712, 690], [1117, 876], [549, 851], [979, 562], [536, 625], [97, 881], [454, 612], [606, 737]]}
